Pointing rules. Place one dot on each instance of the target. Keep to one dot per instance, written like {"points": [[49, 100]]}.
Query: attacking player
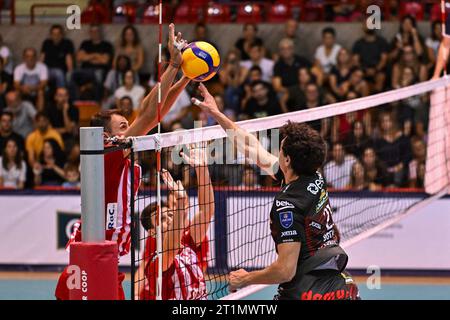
{"points": [[117, 165], [310, 262], [184, 239]]}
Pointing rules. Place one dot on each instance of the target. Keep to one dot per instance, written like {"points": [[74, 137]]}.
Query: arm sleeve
{"points": [[289, 225]]}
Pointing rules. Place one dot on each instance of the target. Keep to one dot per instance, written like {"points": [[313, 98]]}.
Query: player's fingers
{"points": [[171, 32]]}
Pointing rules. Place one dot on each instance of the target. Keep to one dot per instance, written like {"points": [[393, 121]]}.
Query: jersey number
{"points": [[327, 212]]}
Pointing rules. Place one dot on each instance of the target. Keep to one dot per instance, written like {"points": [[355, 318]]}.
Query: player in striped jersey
{"points": [[184, 240], [118, 166]]}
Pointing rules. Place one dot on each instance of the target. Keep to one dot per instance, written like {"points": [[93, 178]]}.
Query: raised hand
{"points": [[208, 104], [197, 156], [176, 187], [175, 45]]}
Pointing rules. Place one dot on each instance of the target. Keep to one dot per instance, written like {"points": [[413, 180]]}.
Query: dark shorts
{"points": [[321, 285]]}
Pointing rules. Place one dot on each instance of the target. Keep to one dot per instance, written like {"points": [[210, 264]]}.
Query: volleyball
{"points": [[200, 61]]}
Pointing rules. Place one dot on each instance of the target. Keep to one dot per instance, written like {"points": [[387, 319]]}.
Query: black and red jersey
{"points": [[301, 212]]}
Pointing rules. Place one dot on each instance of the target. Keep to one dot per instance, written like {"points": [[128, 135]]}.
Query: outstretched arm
{"points": [[246, 142], [148, 111], [442, 57], [174, 233], [199, 225]]}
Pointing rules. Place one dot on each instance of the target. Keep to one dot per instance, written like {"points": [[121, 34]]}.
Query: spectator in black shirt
{"points": [[393, 148], [6, 82], [263, 102], [294, 99], [371, 54], [249, 37], [49, 170], [375, 172], [357, 141], [57, 53], [408, 35], [6, 131], [94, 58], [285, 71], [63, 116]]}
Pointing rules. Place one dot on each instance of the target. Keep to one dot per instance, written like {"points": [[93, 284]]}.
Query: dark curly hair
{"points": [[304, 146]]}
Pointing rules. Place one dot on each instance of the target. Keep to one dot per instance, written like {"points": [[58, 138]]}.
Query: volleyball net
{"points": [[388, 154]]}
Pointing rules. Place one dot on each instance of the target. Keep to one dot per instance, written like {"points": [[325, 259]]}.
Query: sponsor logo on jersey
{"points": [[289, 233], [313, 188], [322, 200], [111, 216], [286, 219], [282, 204], [315, 225]]}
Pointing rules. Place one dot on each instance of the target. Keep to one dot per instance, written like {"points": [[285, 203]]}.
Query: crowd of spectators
{"points": [[368, 150]]}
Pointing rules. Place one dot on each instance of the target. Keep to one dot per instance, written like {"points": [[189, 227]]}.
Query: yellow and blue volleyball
{"points": [[200, 61]]}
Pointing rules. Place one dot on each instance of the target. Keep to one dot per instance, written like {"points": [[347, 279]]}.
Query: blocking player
{"points": [[310, 262], [118, 166], [184, 239]]}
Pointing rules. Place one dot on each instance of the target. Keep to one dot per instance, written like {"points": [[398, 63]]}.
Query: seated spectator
{"points": [[314, 99], [432, 44], [257, 58], [178, 110], [376, 174], [74, 155], [31, 77], [357, 178], [412, 112], [417, 164], [130, 89], [371, 54], [125, 105], [130, 45], [393, 148], [250, 178], [285, 71], [72, 176], [6, 56], [338, 171], [7, 132], [6, 82], [48, 170], [290, 32], [408, 59], [12, 167], [63, 115], [34, 143], [201, 34], [407, 35], [295, 98], [248, 38], [346, 11], [263, 102], [358, 84], [340, 74], [114, 80], [23, 113], [254, 74], [326, 54], [94, 60], [57, 53], [357, 141], [232, 76]]}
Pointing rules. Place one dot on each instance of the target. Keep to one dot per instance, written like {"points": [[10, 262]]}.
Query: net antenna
{"points": [[158, 168]]}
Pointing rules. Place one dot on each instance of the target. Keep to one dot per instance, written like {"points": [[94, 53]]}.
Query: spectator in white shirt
{"points": [[326, 54], [257, 58], [31, 77], [338, 171], [12, 167], [5, 54], [130, 89]]}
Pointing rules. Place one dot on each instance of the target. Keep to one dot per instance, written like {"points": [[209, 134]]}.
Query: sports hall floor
{"points": [[40, 286]]}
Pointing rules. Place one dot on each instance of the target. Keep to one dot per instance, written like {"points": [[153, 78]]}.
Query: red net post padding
{"points": [[98, 267]]}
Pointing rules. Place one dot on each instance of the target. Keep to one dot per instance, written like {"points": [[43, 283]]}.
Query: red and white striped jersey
{"points": [[117, 201], [184, 280]]}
